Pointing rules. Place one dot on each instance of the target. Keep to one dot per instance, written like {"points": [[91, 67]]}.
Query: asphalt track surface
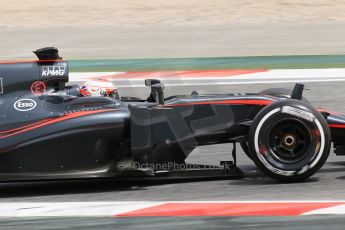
{"points": [[173, 223], [327, 184]]}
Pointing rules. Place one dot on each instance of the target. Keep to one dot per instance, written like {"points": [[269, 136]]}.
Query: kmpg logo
{"points": [[53, 71]]}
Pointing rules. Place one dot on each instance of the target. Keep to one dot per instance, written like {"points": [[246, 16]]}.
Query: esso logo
{"points": [[25, 105]]}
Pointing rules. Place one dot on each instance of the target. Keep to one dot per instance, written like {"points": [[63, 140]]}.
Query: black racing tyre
{"points": [[289, 140], [280, 92], [244, 146]]}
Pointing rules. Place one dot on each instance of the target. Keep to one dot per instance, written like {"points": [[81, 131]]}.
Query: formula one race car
{"points": [[50, 130]]}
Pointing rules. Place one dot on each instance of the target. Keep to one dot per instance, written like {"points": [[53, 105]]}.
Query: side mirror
{"points": [[297, 91], [157, 94]]}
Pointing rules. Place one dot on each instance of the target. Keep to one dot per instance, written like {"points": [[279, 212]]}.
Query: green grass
{"points": [[263, 62]]}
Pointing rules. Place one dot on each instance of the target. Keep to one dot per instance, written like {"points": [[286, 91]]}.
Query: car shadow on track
{"points": [[29, 189], [260, 179], [333, 167], [337, 163], [48, 188], [88, 186], [252, 177], [255, 177]]}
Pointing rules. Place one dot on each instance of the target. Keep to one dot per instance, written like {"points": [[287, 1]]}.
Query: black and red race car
{"points": [[50, 130]]}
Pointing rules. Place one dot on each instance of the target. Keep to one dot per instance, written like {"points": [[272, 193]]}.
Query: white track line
{"points": [[112, 209], [336, 210], [269, 77], [82, 76], [70, 209], [229, 83]]}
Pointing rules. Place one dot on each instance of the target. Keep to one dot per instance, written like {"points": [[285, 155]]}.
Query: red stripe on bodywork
{"points": [[340, 126], [226, 102], [230, 209], [23, 127], [55, 120]]}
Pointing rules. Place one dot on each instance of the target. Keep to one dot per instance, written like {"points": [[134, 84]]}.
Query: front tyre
{"points": [[289, 140]]}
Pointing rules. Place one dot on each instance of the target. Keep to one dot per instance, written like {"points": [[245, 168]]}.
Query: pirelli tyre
{"points": [[276, 92], [289, 140]]}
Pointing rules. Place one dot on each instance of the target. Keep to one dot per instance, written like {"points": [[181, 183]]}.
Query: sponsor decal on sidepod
{"points": [[53, 71], [25, 105]]}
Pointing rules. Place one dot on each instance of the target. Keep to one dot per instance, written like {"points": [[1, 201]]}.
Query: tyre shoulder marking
{"points": [[298, 113]]}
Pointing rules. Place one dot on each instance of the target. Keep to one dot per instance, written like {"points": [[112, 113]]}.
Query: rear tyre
{"points": [[289, 140]]}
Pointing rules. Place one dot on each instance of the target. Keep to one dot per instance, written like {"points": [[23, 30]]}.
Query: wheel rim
{"points": [[289, 140]]}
